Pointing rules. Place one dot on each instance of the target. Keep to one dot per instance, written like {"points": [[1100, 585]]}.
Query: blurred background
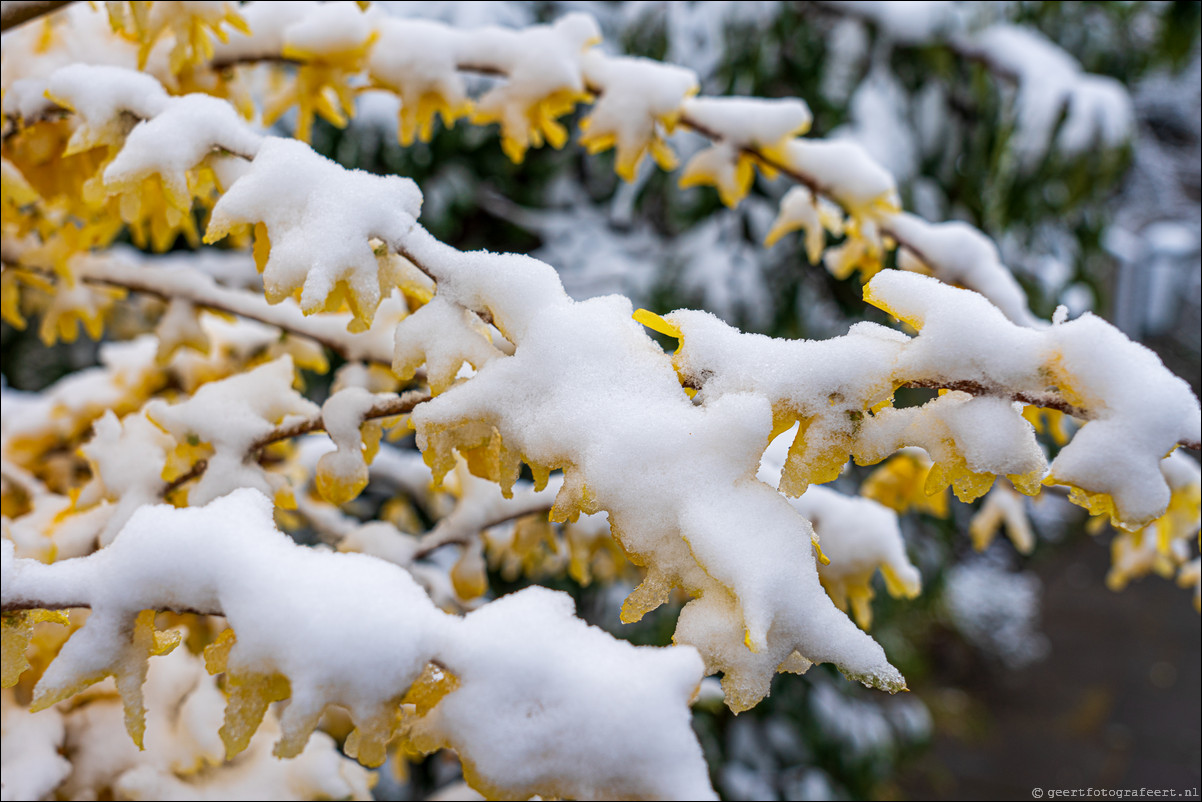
{"points": [[1075, 146]]}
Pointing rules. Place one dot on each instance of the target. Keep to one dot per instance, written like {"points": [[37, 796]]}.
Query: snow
{"points": [[320, 219], [319, 618], [184, 755], [845, 171], [100, 94], [960, 254], [33, 765], [268, 23], [663, 452], [229, 416], [997, 610], [908, 22], [584, 381], [749, 122], [178, 138], [638, 97], [1097, 109], [1138, 410], [523, 661], [328, 29]]}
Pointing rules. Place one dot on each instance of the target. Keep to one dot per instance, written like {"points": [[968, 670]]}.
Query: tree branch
{"points": [[397, 405], [435, 539], [19, 12], [1048, 400], [201, 290]]}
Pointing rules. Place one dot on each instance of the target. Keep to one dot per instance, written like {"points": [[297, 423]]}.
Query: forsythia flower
{"points": [[328, 61], [127, 666], [747, 132], [799, 209], [74, 306], [901, 484], [545, 83], [863, 250], [191, 24], [416, 60], [639, 103], [1002, 507], [1057, 424]]}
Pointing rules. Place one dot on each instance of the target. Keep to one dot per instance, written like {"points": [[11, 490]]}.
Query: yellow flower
{"points": [[1002, 507], [747, 132], [1056, 423], [191, 24], [527, 125], [74, 306], [127, 666], [799, 209], [322, 85], [632, 149], [901, 484], [640, 102], [863, 250], [726, 167]]}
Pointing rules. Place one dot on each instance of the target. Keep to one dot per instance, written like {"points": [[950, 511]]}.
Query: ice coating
{"points": [[356, 631]]}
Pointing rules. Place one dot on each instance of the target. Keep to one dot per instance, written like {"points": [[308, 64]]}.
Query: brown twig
{"points": [[1046, 400], [433, 544], [396, 405], [22, 11]]}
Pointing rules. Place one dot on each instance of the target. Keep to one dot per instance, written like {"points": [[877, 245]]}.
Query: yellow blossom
{"points": [[527, 126], [901, 484], [191, 24], [83, 305], [321, 87], [597, 139]]}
